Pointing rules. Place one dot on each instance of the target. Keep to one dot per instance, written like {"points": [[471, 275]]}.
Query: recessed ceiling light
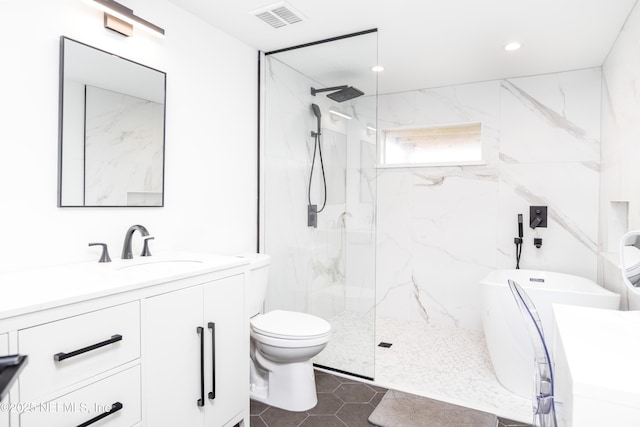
{"points": [[512, 46], [377, 68]]}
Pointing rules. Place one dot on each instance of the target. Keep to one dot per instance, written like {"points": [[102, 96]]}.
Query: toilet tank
{"points": [[258, 280]]}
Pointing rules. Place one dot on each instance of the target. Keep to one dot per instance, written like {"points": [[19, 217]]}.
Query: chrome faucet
{"points": [[126, 248]]}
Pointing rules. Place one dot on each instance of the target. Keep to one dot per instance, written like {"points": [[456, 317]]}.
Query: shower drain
{"points": [[385, 344]]}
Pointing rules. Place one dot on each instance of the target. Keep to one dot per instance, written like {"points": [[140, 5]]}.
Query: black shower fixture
{"points": [[537, 217], [341, 93]]}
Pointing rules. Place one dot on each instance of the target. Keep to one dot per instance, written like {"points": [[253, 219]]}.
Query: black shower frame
{"points": [[260, 53]]}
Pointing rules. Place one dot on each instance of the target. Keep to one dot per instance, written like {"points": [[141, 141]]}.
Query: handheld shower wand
{"points": [[312, 210], [520, 233], [518, 241], [318, 114]]}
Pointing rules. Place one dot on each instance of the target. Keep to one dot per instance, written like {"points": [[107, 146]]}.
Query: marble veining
{"points": [[416, 296], [558, 217], [554, 118]]}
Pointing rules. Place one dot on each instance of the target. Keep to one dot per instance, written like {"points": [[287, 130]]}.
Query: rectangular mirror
{"points": [[112, 115]]}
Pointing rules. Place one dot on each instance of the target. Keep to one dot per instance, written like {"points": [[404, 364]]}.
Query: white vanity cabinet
{"points": [[196, 363], [129, 344]]}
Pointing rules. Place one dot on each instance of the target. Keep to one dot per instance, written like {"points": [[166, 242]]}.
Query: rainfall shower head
{"points": [[340, 93]]}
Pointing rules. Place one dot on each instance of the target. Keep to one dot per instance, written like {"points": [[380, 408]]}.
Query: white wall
{"points": [[210, 181]]}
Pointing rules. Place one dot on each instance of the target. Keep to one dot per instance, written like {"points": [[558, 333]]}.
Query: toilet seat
{"points": [[290, 325]]}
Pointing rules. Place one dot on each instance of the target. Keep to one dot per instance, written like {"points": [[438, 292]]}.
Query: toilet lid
{"points": [[290, 324]]}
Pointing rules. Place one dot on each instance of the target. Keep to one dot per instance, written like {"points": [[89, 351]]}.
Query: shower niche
{"points": [[317, 210]]}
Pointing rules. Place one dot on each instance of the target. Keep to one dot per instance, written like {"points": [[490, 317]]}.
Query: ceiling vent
{"points": [[278, 15]]}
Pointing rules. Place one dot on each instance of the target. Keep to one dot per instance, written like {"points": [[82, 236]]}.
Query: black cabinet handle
{"points": [[114, 408], [200, 330], [212, 393], [58, 357]]}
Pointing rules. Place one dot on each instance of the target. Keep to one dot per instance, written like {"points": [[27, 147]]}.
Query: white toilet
{"points": [[282, 345]]}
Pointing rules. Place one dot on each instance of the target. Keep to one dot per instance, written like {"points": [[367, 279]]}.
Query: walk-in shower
{"points": [[310, 163]]}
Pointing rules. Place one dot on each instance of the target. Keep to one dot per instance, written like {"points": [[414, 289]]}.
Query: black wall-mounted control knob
{"points": [[105, 252]]}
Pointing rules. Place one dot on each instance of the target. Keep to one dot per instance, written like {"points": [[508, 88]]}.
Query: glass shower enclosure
{"points": [[319, 161]]}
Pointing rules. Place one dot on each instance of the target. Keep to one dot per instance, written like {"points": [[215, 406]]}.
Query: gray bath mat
{"points": [[398, 409]]}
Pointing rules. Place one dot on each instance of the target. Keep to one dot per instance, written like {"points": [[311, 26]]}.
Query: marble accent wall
{"points": [[442, 229], [620, 175]]}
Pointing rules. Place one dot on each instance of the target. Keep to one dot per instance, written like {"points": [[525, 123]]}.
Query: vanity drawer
{"points": [[86, 403], [84, 345]]}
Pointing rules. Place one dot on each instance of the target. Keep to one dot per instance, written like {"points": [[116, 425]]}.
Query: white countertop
{"points": [[36, 289], [602, 350]]}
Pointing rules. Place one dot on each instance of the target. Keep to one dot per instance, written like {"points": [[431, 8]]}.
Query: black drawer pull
{"points": [[114, 408], [61, 356], [212, 393], [200, 331]]}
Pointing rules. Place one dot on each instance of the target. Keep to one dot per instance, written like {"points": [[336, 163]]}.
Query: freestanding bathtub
{"points": [[506, 334]]}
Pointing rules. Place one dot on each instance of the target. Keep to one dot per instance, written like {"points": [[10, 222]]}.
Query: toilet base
{"points": [[288, 386]]}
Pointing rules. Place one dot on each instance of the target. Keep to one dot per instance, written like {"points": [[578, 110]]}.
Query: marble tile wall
{"points": [[620, 175], [442, 229]]}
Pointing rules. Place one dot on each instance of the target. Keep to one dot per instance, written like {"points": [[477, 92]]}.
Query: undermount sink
{"points": [[172, 262], [163, 266]]}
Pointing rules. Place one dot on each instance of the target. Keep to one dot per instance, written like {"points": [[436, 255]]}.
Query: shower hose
{"points": [[317, 147]]}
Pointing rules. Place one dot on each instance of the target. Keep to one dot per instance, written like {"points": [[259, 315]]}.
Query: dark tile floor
{"points": [[341, 402]]}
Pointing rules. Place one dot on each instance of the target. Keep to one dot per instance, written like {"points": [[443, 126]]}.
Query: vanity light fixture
{"points": [[339, 114], [377, 68], [510, 47], [121, 19]]}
